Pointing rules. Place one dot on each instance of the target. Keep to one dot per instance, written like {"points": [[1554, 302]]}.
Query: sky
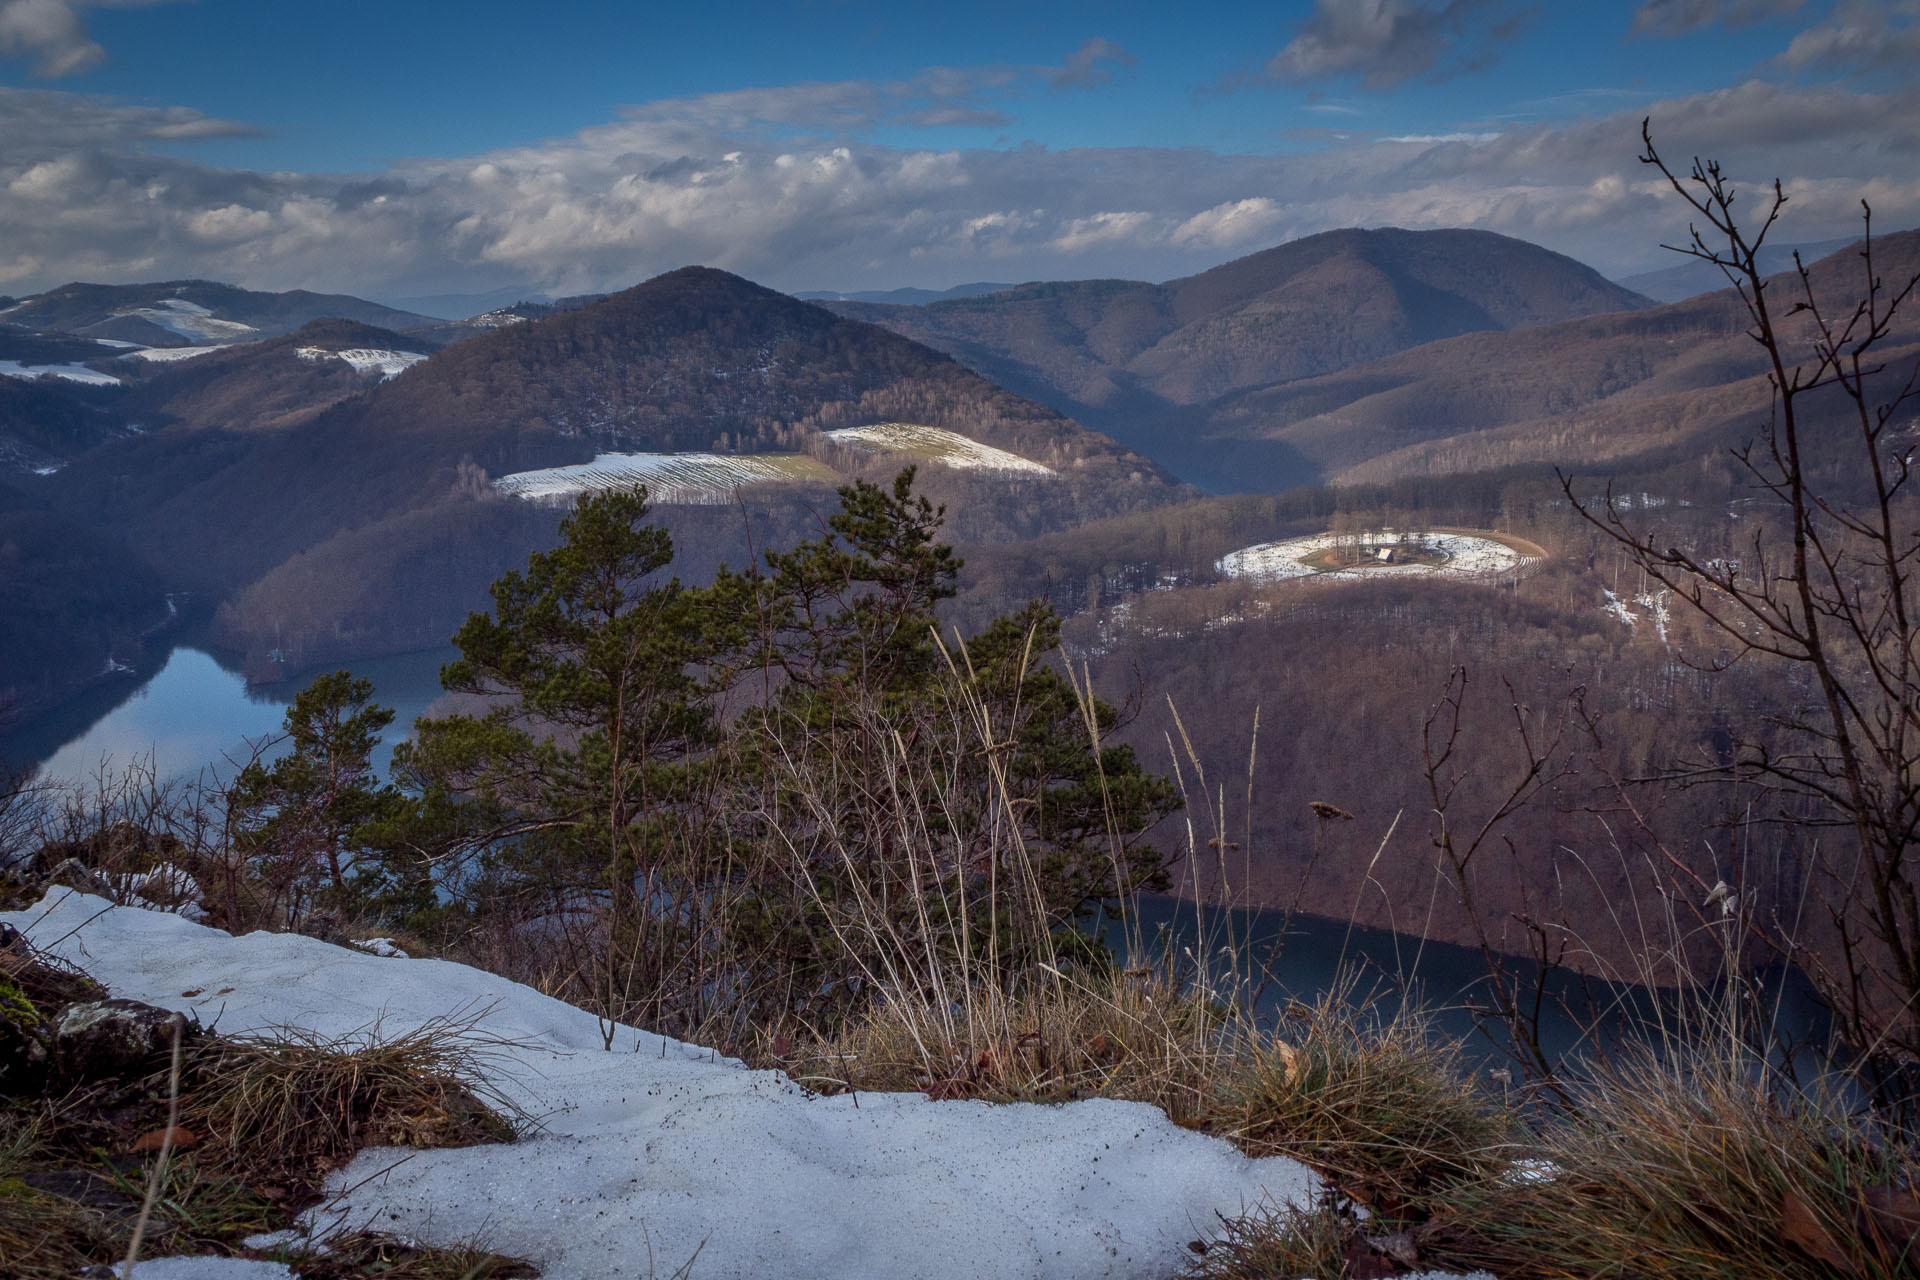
{"points": [[418, 147]]}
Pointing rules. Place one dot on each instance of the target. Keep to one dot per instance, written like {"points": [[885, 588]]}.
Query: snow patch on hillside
{"points": [[694, 479], [168, 355], [932, 444], [191, 320], [657, 1149], [365, 359], [1463, 555], [64, 372]]}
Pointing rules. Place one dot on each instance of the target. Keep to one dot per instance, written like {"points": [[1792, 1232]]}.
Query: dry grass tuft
{"points": [[1383, 1107], [1141, 1037], [287, 1108], [1704, 1168], [1270, 1242], [368, 1253]]}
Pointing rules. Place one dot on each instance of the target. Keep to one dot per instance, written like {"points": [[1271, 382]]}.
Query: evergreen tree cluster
{"points": [[777, 790]]}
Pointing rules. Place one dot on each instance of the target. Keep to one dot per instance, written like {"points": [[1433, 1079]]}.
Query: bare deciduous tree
{"points": [[1825, 586]]}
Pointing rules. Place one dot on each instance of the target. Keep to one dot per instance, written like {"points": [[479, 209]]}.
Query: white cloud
{"points": [[1231, 225], [1104, 229], [716, 182], [1858, 35], [52, 33]]}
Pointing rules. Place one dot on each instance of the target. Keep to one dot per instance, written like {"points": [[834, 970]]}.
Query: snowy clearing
{"points": [[1462, 555], [167, 355], [689, 479], [365, 359], [655, 1149], [932, 444], [191, 320], [64, 372]]}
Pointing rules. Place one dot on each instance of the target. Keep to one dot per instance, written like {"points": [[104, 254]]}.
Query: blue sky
{"points": [[396, 147]]}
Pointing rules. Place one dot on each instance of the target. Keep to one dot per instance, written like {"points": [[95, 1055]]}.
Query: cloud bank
{"points": [[770, 183]]}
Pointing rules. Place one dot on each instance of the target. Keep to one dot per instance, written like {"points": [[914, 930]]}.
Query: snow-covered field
{"points": [[654, 1149], [1465, 556], [671, 478], [64, 372], [949, 448], [167, 355], [365, 359], [191, 320]]}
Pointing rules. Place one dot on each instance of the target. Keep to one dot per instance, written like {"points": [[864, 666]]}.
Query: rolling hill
{"points": [[372, 524], [176, 313], [278, 382], [1648, 387], [1125, 356]]}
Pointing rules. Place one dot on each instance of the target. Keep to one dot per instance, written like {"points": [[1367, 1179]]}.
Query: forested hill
{"points": [[1112, 352], [262, 386], [698, 359], [1681, 382], [180, 312], [373, 520]]}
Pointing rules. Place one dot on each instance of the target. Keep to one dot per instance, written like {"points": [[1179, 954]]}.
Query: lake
{"points": [[193, 713]]}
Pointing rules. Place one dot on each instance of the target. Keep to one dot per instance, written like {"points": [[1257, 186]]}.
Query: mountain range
{"points": [[1133, 359], [330, 486], [337, 511]]}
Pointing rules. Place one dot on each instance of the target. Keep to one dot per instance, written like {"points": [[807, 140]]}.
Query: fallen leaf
{"points": [[1364, 1264], [184, 1139], [1801, 1227]]}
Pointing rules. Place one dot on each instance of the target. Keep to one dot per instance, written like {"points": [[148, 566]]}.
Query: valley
{"points": [[339, 491]]}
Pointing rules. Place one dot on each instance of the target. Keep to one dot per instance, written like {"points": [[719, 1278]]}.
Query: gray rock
{"points": [[75, 874], [114, 1037]]}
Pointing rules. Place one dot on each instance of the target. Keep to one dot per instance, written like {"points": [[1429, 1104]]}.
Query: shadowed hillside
{"points": [[264, 385], [381, 503], [180, 312], [1599, 393], [1119, 354]]}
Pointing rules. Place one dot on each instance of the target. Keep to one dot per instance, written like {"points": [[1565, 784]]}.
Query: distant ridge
{"points": [[1121, 354], [182, 312], [370, 524], [909, 297], [1691, 277]]}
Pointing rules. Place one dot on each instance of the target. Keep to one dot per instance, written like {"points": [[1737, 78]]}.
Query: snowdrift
{"points": [[654, 1149]]}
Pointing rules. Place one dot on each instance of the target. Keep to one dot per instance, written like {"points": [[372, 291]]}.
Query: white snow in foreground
{"points": [[949, 448], [64, 372], [365, 359], [658, 1148], [654, 1149], [671, 478], [1467, 556], [207, 1269], [191, 320], [167, 355]]}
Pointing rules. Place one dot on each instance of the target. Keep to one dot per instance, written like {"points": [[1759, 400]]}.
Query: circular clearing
{"points": [[1377, 553]]}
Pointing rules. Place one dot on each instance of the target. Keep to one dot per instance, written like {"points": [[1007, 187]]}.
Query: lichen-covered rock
{"points": [[113, 1037]]}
